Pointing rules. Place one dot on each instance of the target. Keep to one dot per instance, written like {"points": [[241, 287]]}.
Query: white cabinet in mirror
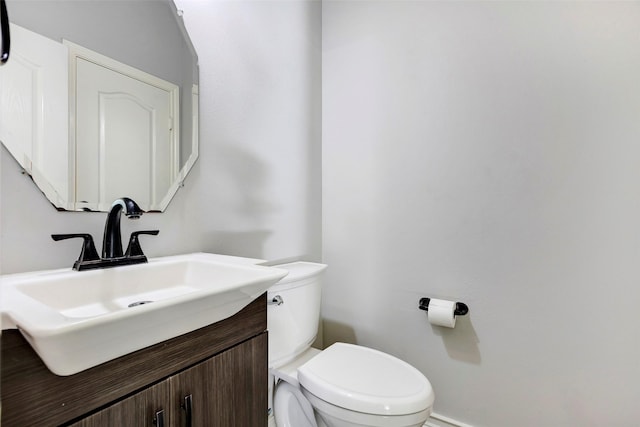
{"points": [[34, 112], [89, 127]]}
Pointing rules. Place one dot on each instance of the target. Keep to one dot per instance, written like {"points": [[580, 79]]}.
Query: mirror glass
{"points": [[146, 35]]}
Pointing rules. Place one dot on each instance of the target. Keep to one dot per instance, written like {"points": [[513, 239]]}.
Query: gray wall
{"points": [[255, 191], [487, 152], [141, 33]]}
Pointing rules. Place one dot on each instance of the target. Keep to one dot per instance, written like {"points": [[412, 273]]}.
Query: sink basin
{"points": [[77, 320]]}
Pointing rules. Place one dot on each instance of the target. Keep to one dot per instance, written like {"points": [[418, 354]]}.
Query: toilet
{"points": [[344, 385]]}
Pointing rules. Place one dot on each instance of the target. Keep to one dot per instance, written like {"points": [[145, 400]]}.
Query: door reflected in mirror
{"points": [[79, 138]]}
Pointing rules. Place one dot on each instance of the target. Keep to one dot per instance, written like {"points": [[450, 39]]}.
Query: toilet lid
{"points": [[366, 380]]}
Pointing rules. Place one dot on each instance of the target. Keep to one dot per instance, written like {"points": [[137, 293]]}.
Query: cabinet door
{"points": [[227, 390], [148, 408]]}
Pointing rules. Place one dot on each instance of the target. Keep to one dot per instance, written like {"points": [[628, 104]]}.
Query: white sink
{"points": [[77, 320]]}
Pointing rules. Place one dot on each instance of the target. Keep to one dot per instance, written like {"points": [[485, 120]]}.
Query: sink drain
{"points": [[137, 303]]}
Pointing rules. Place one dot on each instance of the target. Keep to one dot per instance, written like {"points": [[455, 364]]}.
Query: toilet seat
{"points": [[366, 380], [340, 416]]}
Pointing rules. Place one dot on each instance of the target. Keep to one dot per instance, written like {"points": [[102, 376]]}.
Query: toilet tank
{"points": [[293, 325]]}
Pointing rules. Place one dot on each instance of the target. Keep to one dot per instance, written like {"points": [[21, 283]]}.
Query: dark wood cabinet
{"points": [[218, 392], [213, 377]]}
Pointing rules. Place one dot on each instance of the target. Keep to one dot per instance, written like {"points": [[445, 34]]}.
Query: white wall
{"points": [[488, 152], [255, 191], [479, 151]]}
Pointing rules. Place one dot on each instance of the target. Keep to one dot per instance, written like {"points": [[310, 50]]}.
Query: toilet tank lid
{"points": [[299, 270], [366, 380]]}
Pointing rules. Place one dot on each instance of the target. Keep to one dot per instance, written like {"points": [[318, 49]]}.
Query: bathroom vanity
{"points": [[213, 376]]}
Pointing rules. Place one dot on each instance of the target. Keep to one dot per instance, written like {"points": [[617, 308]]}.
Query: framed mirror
{"points": [[124, 38]]}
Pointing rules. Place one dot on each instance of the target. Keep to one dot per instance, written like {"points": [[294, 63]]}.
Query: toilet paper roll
{"points": [[441, 313]]}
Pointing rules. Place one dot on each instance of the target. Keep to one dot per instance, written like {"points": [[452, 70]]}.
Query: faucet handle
{"points": [[134, 248], [88, 252]]}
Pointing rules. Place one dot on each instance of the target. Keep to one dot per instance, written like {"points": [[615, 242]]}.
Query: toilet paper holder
{"points": [[461, 308]]}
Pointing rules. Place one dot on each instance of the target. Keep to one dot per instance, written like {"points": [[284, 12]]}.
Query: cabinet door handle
{"points": [[188, 408], [158, 419]]}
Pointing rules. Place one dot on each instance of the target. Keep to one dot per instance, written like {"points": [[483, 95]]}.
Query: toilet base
{"points": [[328, 415], [271, 421]]}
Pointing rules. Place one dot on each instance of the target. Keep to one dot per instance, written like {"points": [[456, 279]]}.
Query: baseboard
{"points": [[437, 420]]}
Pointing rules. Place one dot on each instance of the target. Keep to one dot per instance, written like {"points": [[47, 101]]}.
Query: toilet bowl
{"points": [[344, 385]]}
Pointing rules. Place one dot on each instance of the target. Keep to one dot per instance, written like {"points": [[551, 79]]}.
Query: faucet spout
{"points": [[112, 242]]}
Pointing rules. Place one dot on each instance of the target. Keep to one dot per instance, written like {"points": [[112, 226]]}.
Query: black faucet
{"points": [[112, 255], [112, 241]]}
